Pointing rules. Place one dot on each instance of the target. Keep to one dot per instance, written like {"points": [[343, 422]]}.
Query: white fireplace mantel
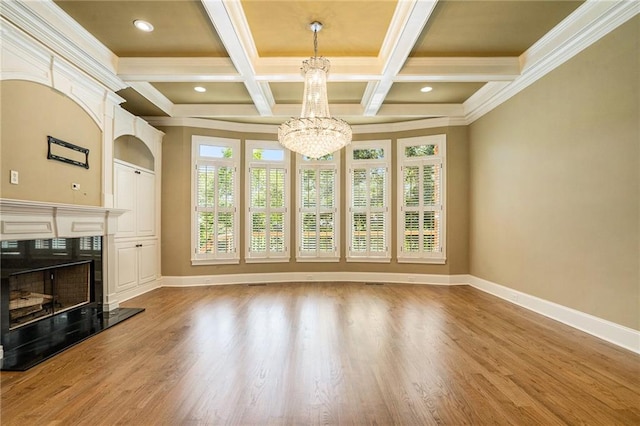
{"points": [[30, 220]]}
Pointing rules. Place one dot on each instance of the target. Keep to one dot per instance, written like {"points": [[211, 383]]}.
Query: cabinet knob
{"points": [[137, 172]]}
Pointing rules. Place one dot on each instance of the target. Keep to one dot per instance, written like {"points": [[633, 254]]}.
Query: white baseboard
{"points": [[606, 330], [139, 290], [611, 332], [282, 277]]}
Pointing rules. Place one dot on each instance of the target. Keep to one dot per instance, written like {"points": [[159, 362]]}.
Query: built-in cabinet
{"points": [[136, 263], [136, 240], [134, 190]]}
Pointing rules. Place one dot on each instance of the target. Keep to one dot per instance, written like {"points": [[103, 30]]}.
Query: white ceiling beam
{"points": [[287, 69], [292, 110], [421, 110], [233, 30], [460, 69], [177, 69], [406, 25], [153, 95], [342, 69], [214, 110]]}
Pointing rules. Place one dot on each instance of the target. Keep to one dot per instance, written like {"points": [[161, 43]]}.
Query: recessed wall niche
{"points": [[132, 150]]}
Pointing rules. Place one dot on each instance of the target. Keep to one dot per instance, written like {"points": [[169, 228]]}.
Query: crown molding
{"points": [[49, 25], [590, 22], [22, 58]]}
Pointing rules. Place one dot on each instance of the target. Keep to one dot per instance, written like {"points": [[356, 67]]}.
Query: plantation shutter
{"points": [[421, 200], [318, 211], [267, 209], [215, 209], [369, 199]]}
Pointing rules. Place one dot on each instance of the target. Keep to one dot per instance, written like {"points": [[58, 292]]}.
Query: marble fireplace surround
{"points": [[30, 220]]}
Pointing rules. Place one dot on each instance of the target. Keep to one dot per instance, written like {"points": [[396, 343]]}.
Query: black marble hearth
{"points": [[51, 298], [35, 343]]}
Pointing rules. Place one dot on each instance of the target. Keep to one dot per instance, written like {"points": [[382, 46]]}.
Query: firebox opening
{"points": [[39, 293]]}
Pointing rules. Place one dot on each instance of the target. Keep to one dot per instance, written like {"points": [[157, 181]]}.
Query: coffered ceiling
{"points": [[247, 54]]}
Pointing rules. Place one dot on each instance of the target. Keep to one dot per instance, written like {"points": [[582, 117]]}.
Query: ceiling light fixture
{"points": [[199, 89], [426, 89], [143, 25], [315, 133]]}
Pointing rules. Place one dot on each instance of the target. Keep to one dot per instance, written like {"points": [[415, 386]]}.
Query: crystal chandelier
{"points": [[315, 133]]}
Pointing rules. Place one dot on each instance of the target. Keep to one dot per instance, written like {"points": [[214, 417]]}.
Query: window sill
{"points": [[433, 260], [318, 259], [267, 260], [369, 259], [196, 262]]}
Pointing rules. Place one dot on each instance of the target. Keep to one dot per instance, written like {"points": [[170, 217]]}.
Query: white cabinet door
{"points": [[126, 266], [145, 204], [147, 261], [135, 191], [125, 198]]}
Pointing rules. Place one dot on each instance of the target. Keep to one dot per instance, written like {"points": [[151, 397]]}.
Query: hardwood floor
{"points": [[334, 353]]}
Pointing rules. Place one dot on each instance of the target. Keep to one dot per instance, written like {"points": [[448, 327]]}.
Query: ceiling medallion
{"points": [[315, 133]]}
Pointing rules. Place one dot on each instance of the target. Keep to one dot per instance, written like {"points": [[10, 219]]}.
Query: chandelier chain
{"points": [[315, 42]]}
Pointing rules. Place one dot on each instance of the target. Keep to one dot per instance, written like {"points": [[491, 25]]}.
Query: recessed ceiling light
{"points": [[200, 89], [143, 25], [426, 89]]}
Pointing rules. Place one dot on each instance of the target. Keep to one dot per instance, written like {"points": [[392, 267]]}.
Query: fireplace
{"points": [[55, 288], [43, 278]]}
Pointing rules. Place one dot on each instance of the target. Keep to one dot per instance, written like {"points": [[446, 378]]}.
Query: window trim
{"points": [[401, 161], [268, 257], [234, 144], [333, 164], [351, 163]]}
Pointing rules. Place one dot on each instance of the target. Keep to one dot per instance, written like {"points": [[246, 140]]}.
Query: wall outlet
{"points": [[411, 279], [14, 177], [75, 186], [309, 277], [514, 297]]}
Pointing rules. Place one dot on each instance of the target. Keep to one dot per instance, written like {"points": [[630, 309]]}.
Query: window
{"points": [[368, 196], [318, 198], [90, 244], [267, 192], [215, 197], [421, 199], [10, 247]]}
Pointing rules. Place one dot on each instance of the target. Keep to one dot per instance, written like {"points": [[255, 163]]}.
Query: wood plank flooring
{"points": [[329, 353]]}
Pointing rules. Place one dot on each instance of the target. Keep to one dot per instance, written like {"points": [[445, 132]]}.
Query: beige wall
{"points": [[29, 113], [176, 209], [555, 184]]}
